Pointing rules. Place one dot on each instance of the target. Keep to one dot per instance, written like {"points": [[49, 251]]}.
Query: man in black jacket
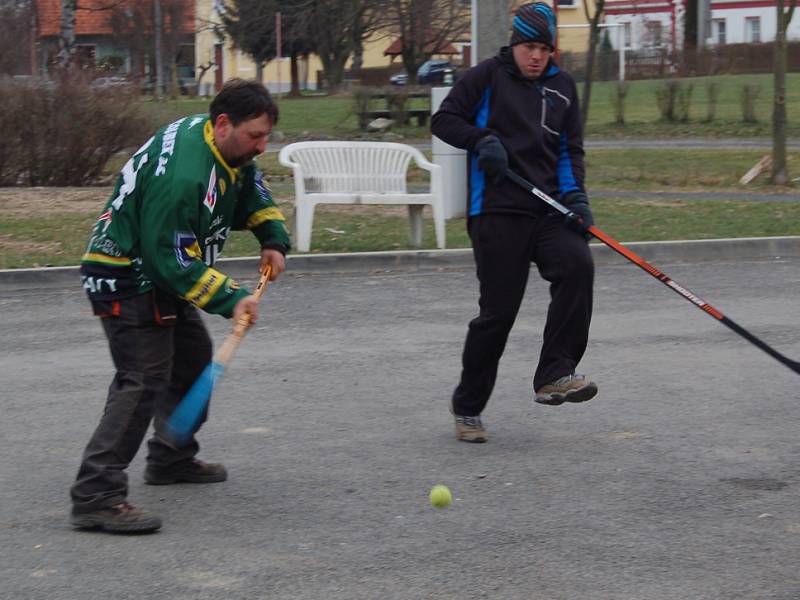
{"points": [[518, 110]]}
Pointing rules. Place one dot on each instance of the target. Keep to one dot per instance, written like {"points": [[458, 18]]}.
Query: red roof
{"points": [[94, 17], [396, 48]]}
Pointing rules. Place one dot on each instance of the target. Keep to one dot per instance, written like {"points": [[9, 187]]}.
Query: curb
{"points": [[418, 260]]}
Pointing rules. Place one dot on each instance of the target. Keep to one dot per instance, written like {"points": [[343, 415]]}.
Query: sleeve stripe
{"points": [[205, 288], [271, 213], [96, 257]]}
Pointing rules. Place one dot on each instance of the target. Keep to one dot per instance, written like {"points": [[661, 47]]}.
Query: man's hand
{"points": [[492, 158], [246, 306], [580, 217], [274, 259]]}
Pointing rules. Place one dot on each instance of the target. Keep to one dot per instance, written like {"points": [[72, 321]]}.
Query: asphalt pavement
{"points": [[679, 481]]}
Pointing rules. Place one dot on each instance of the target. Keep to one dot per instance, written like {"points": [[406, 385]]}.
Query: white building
{"points": [[660, 23]]}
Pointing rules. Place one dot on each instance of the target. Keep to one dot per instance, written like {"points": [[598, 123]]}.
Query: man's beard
{"points": [[239, 161]]}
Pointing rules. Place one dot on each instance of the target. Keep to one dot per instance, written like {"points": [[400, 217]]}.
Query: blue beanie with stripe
{"points": [[534, 22]]}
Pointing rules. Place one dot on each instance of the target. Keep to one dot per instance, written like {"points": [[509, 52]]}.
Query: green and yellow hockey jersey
{"points": [[174, 205]]}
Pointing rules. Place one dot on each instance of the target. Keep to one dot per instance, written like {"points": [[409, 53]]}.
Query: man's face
{"points": [[531, 58], [239, 144]]}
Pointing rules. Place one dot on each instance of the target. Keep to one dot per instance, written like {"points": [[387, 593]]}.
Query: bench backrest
{"points": [[352, 167]]}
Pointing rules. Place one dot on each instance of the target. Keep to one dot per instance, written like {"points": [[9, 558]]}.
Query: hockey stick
{"points": [[183, 421], [675, 287]]}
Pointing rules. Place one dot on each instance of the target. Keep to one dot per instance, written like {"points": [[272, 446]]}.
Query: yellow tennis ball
{"points": [[440, 496]]}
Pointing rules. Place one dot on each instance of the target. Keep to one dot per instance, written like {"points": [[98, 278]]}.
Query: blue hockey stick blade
{"points": [[183, 421]]}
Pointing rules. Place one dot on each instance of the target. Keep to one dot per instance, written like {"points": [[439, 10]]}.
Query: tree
{"points": [[135, 26], [785, 11], [158, 36], [252, 25], [594, 34], [335, 28], [66, 38], [425, 27], [15, 37]]}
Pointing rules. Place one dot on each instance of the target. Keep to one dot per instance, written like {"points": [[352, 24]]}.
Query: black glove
{"points": [[580, 216], [492, 158]]}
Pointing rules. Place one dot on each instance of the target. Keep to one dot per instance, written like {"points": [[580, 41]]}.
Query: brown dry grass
{"points": [[22, 202]]}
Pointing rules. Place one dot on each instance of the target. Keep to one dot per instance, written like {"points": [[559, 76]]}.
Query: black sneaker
{"points": [[120, 518], [195, 471]]}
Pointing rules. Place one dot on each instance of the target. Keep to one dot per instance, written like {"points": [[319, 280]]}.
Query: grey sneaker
{"points": [[570, 388], [120, 518], [195, 471]]}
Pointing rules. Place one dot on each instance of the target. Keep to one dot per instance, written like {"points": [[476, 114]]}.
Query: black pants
{"points": [[504, 247], [157, 357]]}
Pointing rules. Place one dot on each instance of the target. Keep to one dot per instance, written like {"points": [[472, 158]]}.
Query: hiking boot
{"points": [[120, 518], [570, 388], [470, 429], [195, 471]]}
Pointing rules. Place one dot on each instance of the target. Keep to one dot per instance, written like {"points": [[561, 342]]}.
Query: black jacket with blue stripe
{"points": [[538, 121]]}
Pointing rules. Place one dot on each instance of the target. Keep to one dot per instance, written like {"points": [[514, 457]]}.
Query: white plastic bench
{"points": [[360, 173]]}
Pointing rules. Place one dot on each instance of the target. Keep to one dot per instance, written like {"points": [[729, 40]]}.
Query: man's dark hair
{"points": [[243, 100]]}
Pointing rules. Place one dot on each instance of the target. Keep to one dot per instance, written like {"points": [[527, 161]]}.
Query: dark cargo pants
{"points": [[159, 346], [504, 246]]}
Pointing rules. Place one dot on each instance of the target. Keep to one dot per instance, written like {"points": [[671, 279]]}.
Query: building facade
{"points": [[660, 23]]}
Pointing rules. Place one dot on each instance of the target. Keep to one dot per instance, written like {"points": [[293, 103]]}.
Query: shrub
{"points": [[397, 101], [618, 94], [674, 100], [750, 93], [683, 102], [712, 91], [62, 133], [666, 97]]}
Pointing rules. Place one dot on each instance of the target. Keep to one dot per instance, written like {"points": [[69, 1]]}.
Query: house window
{"points": [[718, 30], [85, 55], [567, 3], [652, 35], [627, 35], [752, 29]]}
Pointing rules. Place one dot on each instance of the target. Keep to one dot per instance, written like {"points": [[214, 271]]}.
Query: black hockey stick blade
{"points": [[646, 266]]}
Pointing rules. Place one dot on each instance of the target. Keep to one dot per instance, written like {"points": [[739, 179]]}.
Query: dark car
{"points": [[436, 71]]}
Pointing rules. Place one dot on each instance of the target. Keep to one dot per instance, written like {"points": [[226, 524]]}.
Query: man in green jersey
{"points": [[146, 270]]}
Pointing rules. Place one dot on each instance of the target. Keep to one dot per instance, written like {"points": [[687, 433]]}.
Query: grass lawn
{"points": [[35, 233], [333, 115], [50, 227]]}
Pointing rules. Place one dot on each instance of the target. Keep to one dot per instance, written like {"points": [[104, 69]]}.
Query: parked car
{"points": [[436, 71], [113, 81], [400, 78]]}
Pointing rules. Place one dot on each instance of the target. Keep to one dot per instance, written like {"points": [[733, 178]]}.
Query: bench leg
{"points": [[415, 220], [303, 221]]}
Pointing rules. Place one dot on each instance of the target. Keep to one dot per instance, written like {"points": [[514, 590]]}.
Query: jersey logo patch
{"points": [[105, 218], [187, 250], [211, 192]]}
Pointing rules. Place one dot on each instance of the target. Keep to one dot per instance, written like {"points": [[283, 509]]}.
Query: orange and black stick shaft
{"points": [[646, 266]]}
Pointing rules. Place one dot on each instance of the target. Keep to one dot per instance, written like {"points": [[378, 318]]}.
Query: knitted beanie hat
{"points": [[534, 22]]}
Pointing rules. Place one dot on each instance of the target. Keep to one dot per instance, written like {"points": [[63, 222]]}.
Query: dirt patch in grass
{"points": [[10, 243], [30, 202]]}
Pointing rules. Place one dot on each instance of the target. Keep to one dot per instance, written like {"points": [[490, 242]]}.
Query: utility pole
{"points": [[490, 28], [703, 22]]}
